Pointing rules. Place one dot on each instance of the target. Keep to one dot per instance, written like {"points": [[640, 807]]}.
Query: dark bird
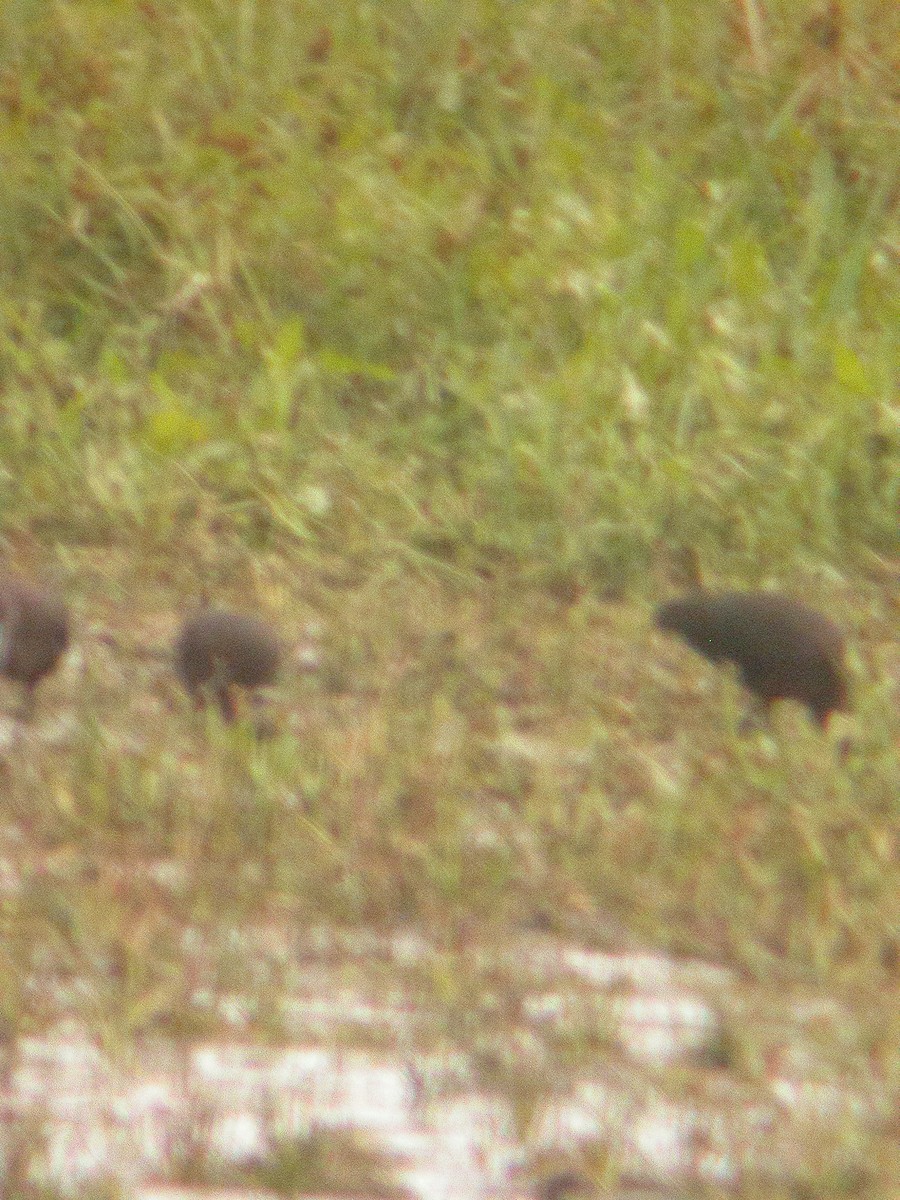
{"points": [[34, 634], [217, 652], [784, 650]]}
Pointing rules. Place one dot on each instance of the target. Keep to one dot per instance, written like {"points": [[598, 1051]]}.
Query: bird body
{"points": [[217, 651], [783, 649], [34, 632]]}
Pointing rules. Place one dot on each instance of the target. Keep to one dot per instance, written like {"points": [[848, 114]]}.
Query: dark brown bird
{"points": [[34, 634], [783, 649], [217, 652]]}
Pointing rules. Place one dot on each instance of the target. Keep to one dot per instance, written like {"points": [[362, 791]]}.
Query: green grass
{"points": [[469, 331], [556, 286]]}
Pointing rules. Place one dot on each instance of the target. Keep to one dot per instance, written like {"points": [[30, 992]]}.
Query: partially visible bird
{"points": [[34, 634], [218, 651], [784, 649]]}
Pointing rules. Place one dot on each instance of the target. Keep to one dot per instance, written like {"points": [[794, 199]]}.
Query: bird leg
{"points": [[25, 710]]}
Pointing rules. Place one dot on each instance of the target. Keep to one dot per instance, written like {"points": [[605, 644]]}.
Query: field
{"points": [[452, 338]]}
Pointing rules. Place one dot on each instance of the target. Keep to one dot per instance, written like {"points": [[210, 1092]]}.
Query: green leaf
{"points": [[750, 274], [333, 362], [290, 344], [171, 429], [850, 370]]}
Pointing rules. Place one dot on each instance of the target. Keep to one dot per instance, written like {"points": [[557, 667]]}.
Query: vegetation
{"points": [[452, 337]]}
